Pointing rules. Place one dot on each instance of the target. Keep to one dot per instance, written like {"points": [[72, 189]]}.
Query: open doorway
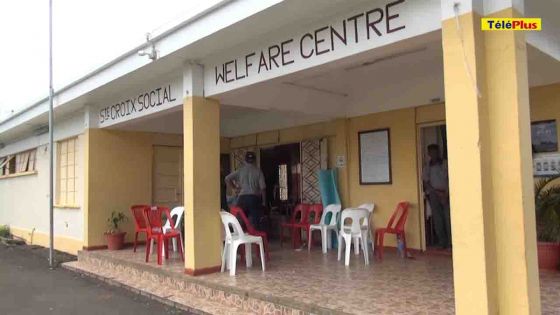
{"points": [[431, 135], [225, 169], [281, 168]]}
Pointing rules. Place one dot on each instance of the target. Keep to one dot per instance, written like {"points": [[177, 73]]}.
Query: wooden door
{"points": [[167, 184]]}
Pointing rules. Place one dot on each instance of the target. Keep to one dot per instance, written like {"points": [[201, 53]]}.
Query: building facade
{"points": [[251, 75]]}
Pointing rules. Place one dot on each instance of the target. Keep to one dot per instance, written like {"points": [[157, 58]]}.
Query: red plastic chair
{"points": [[139, 221], [240, 215], [300, 211], [314, 213], [393, 227], [153, 217]]}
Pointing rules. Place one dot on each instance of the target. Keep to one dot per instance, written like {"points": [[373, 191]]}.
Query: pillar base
{"points": [[202, 271]]}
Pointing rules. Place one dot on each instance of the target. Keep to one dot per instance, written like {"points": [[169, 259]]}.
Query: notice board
{"points": [[375, 157]]}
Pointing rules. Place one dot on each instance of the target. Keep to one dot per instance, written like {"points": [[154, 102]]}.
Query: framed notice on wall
{"points": [[544, 137], [375, 157]]}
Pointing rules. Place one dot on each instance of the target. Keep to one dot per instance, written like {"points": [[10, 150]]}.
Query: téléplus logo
{"points": [[511, 24]]}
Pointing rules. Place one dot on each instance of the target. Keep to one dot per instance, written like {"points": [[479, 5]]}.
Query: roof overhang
{"points": [[223, 32]]}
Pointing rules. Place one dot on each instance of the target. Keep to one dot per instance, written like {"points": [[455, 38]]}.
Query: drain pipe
{"points": [[31, 236]]}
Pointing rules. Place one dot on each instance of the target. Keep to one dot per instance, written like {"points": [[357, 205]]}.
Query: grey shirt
{"points": [[250, 178], [436, 175]]}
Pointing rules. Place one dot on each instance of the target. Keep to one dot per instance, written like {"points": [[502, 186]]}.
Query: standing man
{"points": [[436, 187], [249, 181]]}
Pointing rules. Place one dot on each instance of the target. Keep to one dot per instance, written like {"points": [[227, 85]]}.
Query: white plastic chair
{"points": [[353, 231], [235, 238], [326, 227], [370, 207], [178, 212]]}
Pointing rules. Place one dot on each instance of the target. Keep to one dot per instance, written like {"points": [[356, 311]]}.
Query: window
{"points": [[66, 162], [23, 162], [5, 165]]}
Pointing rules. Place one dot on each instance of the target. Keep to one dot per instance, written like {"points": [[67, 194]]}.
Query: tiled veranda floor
{"points": [[422, 285]]}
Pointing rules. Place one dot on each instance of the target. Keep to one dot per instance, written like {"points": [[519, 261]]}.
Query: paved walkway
{"points": [[28, 286], [393, 286]]}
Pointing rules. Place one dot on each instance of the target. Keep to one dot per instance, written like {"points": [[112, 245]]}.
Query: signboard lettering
{"points": [[364, 26], [142, 103]]}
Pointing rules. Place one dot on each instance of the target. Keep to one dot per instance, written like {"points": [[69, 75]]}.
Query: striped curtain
{"points": [[313, 159], [3, 163], [22, 160], [32, 160]]}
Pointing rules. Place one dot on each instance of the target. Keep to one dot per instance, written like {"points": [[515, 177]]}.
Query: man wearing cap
{"points": [[249, 181]]}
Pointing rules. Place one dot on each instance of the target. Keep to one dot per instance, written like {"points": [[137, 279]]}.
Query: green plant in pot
{"points": [[115, 238], [547, 207]]}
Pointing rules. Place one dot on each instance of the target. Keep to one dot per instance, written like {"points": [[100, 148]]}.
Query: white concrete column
{"points": [[91, 117], [193, 80]]}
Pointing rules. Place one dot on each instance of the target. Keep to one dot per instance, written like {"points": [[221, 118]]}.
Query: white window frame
{"points": [[67, 176], [21, 163]]}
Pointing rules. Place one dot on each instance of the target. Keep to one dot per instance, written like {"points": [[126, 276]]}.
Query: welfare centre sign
{"points": [[380, 23]]}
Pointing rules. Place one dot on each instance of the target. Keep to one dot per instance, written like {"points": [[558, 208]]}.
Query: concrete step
{"points": [[172, 286], [167, 294]]}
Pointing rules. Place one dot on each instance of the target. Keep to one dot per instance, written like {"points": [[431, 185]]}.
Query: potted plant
{"points": [[115, 238], [547, 207]]}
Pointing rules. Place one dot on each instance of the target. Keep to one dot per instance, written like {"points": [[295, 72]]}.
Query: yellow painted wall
{"points": [[119, 175], [430, 113], [243, 141], [332, 130], [404, 185], [545, 103], [284, 136], [224, 145], [34, 237], [342, 137], [120, 162], [270, 137]]}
